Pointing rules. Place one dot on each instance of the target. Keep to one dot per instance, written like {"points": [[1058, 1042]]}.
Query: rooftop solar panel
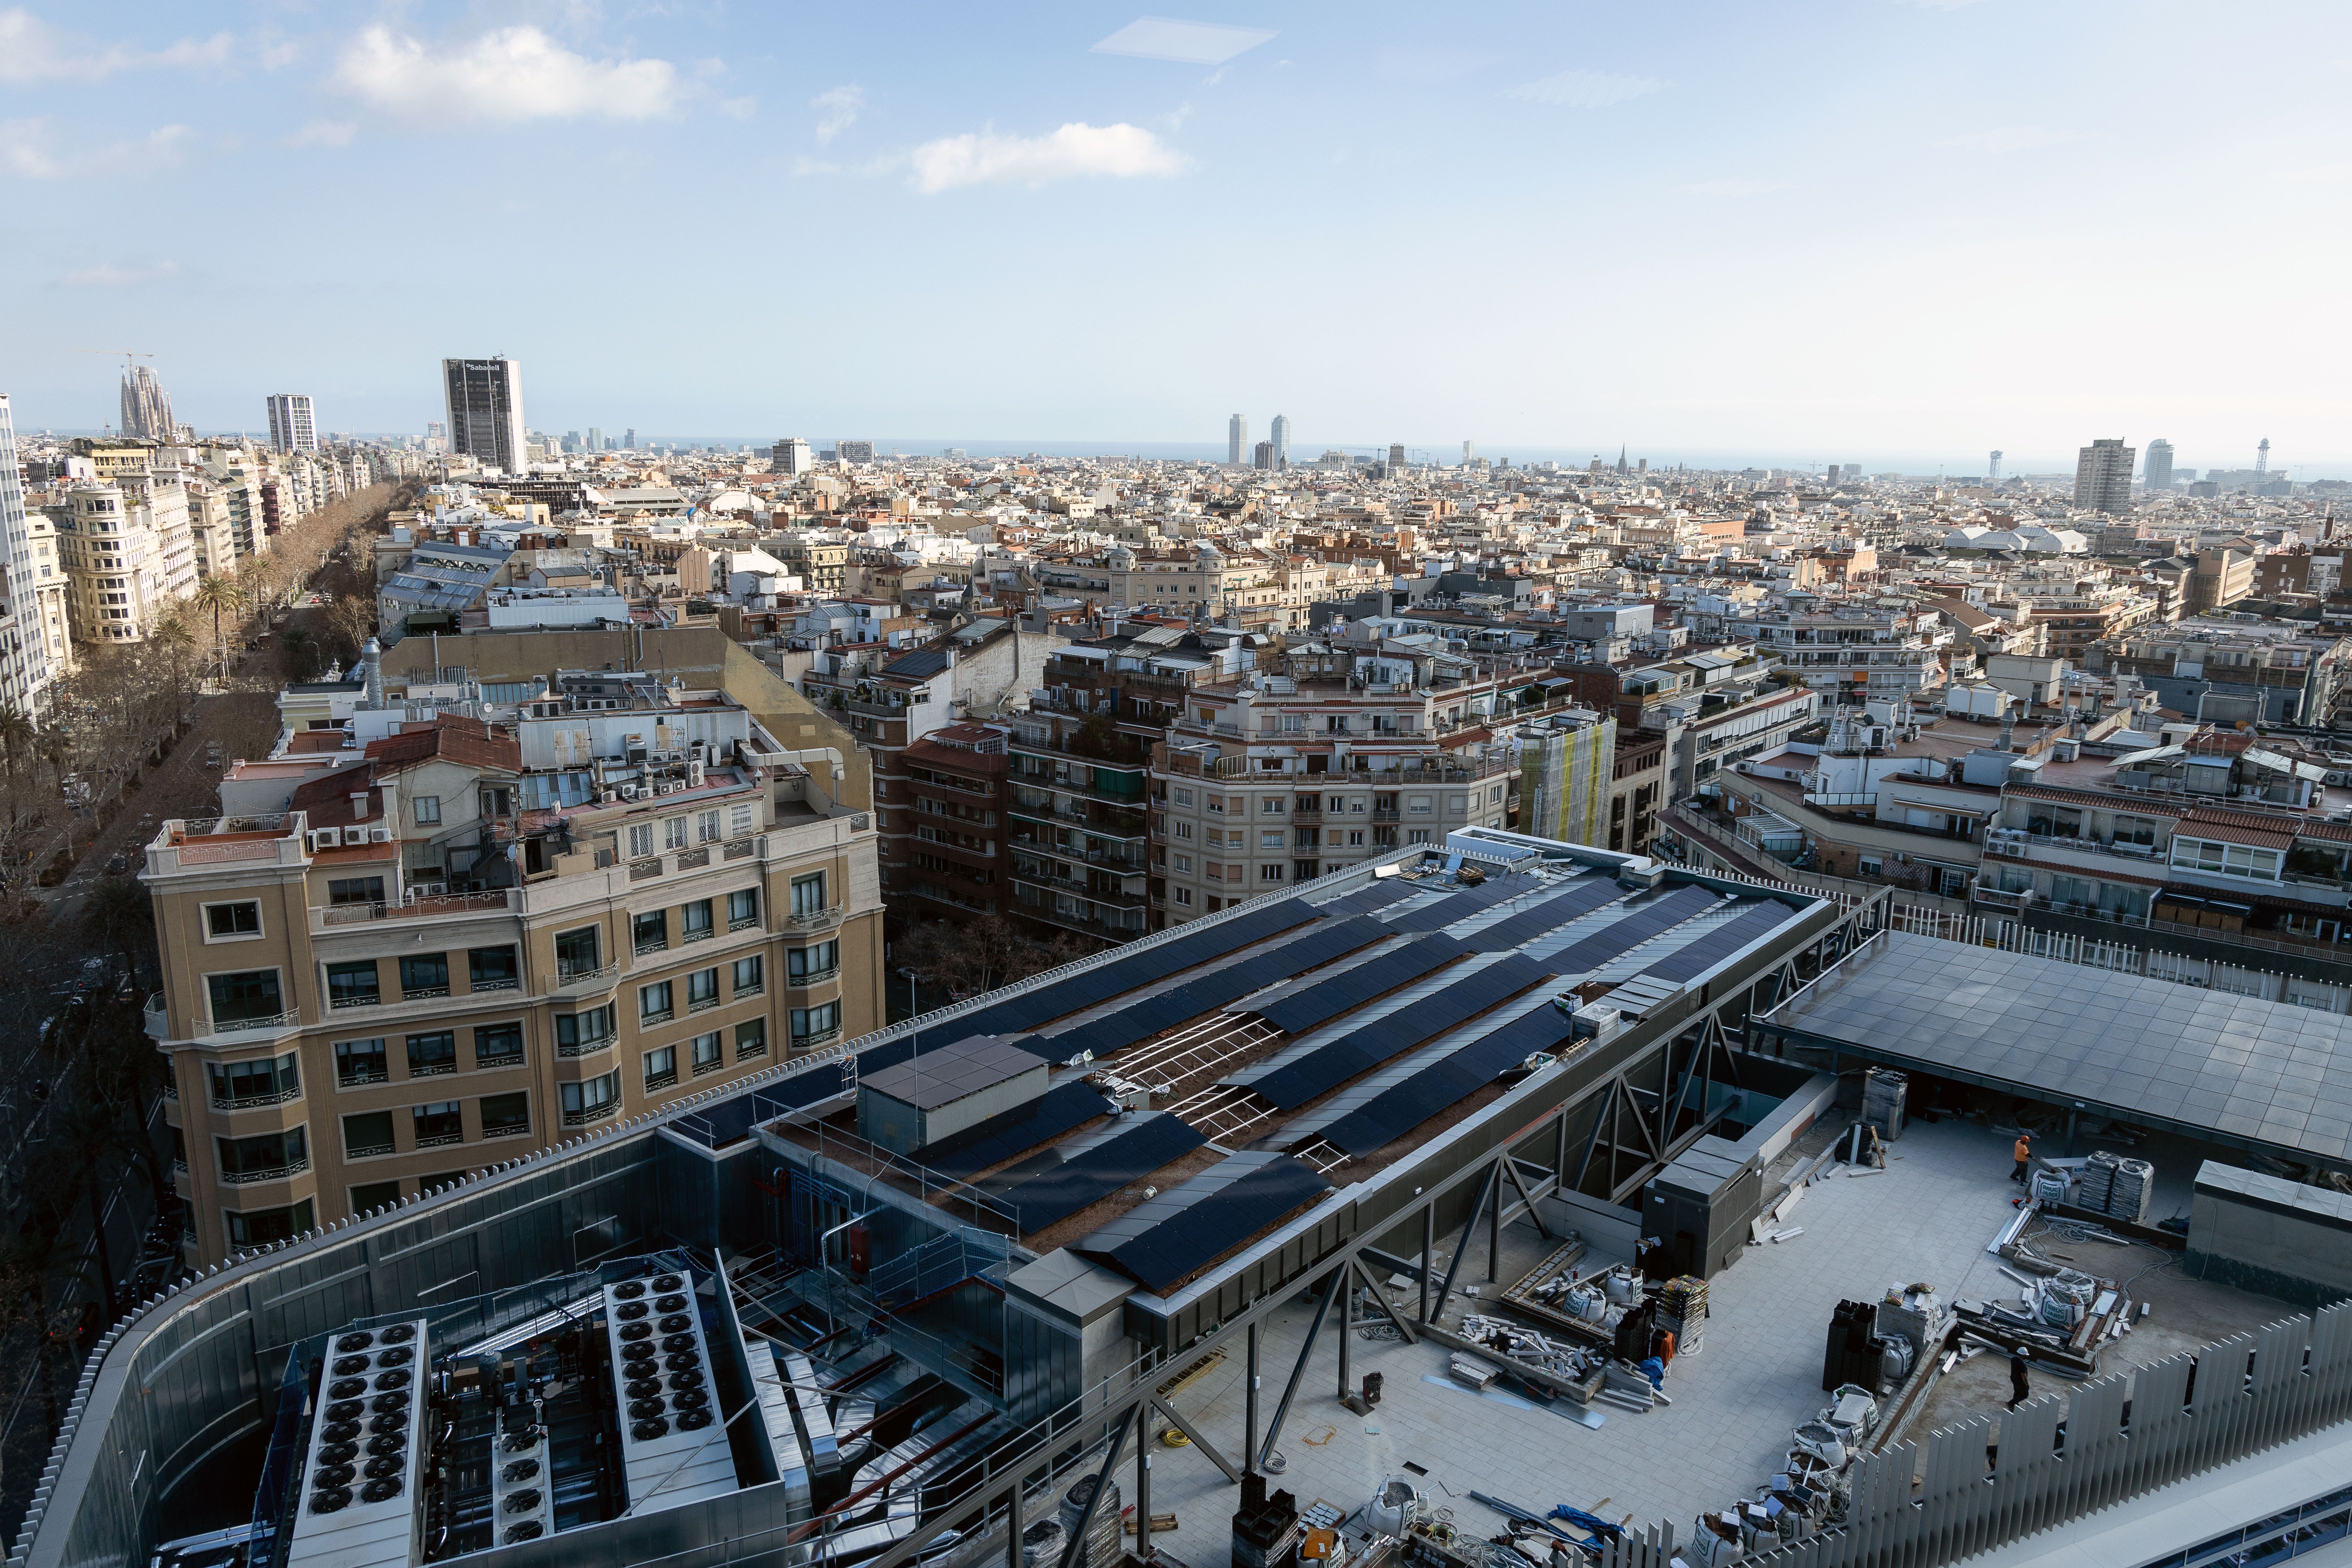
{"points": [[1364, 900], [1099, 1169], [1302, 1010], [1000, 1138], [1302, 1077], [1459, 906], [1580, 900], [1162, 1241], [1712, 947], [1402, 1107], [1155, 1015], [1636, 927]]}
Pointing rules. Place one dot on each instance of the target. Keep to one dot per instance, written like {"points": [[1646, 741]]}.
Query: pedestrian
{"points": [[2024, 1153], [2018, 1386]]}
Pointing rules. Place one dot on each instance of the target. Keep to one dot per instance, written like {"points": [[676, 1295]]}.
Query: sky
{"points": [[1882, 231]]}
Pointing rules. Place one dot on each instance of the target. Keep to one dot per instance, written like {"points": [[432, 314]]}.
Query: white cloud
{"points": [[31, 50], [840, 106], [1121, 152], [1730, 188], [1189, 42], [26, 151], [511, 74], [2007, 138], [1585, 90], [739, 107], [324, 133], [108, 276]]}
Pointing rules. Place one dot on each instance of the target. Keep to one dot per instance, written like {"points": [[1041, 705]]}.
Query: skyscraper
{"points": [[292, 427], [1280, 436], [485, 399], [2102, 475], [1237, 440], [1261, 456], [629, 439], [790, 456], [146, 412], [1469, 450], [596, 438], [2160, 464], [1396, 456]]}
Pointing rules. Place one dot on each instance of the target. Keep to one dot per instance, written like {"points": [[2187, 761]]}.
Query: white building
{"points": [[292, 425], [128, 554], [34, 648]]}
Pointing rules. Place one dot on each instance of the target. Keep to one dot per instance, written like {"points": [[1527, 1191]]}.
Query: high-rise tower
{"points": [[485, 398], [293, 427], [2263, 457], [1237, 440], [1280, 434], [2160, 465], [34, 617], [2103, 473]]}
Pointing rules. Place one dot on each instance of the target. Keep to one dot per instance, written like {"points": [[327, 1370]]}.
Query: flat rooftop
{"points": [[2267, 1076], [1928, 1218]]}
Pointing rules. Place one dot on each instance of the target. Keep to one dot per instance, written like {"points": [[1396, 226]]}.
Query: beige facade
{"points": [[127, 554]]}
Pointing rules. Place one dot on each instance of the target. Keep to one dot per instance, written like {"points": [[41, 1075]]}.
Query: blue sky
{"points": [[1872, 231]]}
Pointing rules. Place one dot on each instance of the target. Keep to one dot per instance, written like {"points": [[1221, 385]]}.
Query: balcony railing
{"points": [[815, 920], [430, 1070], [699, 933], [272, 1173], [702, 1003], [519, 1129], [286, 1020], [361, 1076], [507, 983], [565, 978], [817, 1037], [586, 1047], [1995, 899], [423, 993], [802, 981], [590, 1114], [255, 1101], [157, 1017], [660, 1080], [437, 907], [504, 1059], [439, 1140], [367, 1150], [746, 923]]}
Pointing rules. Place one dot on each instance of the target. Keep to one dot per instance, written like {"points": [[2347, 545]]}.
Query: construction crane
{"points": [[130, 356]]}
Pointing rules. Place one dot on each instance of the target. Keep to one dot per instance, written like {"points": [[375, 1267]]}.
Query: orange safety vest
{"points": [[2024, 1151]]}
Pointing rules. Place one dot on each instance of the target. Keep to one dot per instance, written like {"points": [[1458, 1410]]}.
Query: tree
{"points": [[222, 595], [173, 640], [118, 915]]}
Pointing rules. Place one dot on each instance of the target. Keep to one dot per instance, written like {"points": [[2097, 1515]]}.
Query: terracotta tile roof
{"points": [[470, 743], [327, 799]]}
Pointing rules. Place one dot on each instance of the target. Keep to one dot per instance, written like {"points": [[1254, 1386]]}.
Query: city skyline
{"points": [[1973, 253]]}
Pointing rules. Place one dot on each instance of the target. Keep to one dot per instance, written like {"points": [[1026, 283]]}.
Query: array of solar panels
{"points": [[1164, 1240], [1364, 900], [1653, 919], [1343, 993], [1141, 1019], [1458, 906], [1128, 1152], [1714, 946], [1293, 1080], [1121, 971], [998, 1139], [1395, 1110]]}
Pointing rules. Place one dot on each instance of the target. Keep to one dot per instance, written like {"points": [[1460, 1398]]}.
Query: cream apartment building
{"points": [[486, 937]]}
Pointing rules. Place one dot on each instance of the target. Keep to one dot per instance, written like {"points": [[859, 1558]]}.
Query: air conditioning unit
{"points": [[379, 835], [325, 838], [628, 792], [428, 889]]}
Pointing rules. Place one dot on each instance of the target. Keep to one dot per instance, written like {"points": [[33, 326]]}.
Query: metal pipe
{"points": [[1249, 1405]]}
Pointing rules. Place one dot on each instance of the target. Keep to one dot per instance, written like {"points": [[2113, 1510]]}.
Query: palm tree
{"points": [[221, 593]]}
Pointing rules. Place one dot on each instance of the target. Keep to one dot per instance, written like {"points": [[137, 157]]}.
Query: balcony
{"points": [[584, 980], [810, 1042], [255, 1101], [367, 1150], [290, 1019], [874, 709], [661, 1080], [808, 978], [749, 922], [816, 919], [588, 1116], [1993, 897], [270, 1174], [702, 1003], [587, 1047], [520, 1129], [453, 906], [157, 1017]]}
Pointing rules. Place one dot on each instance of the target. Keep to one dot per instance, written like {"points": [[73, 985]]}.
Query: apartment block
{"points": [[127, 550], [625, 892]]}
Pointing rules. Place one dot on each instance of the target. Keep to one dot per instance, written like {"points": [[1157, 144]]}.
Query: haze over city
{"points": [[1903, 233]]}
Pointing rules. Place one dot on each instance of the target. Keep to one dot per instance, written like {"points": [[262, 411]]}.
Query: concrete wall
{"points": [[2270, 1236]]}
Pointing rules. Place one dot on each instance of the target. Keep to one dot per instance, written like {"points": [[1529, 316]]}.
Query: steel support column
{"points": [[1249, 1403], [1298, 1370]]}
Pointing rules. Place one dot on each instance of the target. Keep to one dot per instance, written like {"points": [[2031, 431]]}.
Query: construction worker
{"points": [[2024, 1153], [2019, 1390]]}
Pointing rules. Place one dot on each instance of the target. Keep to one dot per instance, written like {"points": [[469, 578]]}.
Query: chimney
{"points": [[360, 804]]}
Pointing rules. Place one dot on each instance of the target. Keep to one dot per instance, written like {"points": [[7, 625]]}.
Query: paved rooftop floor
{"points": [[1928, 1218]]}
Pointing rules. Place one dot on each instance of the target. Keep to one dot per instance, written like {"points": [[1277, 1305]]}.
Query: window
{"points": [[705, 827], [654, 1004], [751, 975], [708, 1051], [497, 802], [576, 1034], [1184, 865], [1417, 806], [751, 1039], [808, 895], [1416, 835], [244, 999], [492, 969], [228, 922], [743, 909], [367, 1133], [427, 974], [1183, 830], [438, 1124], [2134, 830], [506, 1115], [1271, 805], [816, 1026], [1269, 873], [360, 1062], [661, 1068], [355, 890], [1304, 870], [1305, 837], [743, 820], [237, 1085], [577, 952], [1875, 865], [265, 1157], [641, 840], [1457, 804], [265, 1227], [372, 1195], [696, 921], [353, 985], [430, 1056], [498, 1046], [650, 931], [427, 810], [808, 965], [1272, 840], [1184, 797], [1183, 895], [673, 833], [2230, 859], [701, 989], [591, 1101]]}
